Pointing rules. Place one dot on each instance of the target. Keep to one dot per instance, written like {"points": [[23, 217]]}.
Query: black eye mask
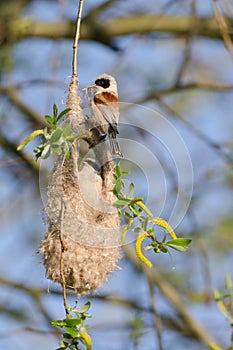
{"points": [[104, 82]]}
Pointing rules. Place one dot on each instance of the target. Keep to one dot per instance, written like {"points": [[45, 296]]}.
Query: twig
{"points": [[223, 28], [227, 8], [192, 86], [11, 147], [187, 53], [106, 31], [197, 331], [63, 249], [156, 316], [198, 133], [76, 38], [35, 292], [30, 113], [102, 7]]}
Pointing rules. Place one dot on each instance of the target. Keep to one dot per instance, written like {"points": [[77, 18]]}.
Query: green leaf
{"points": [[84, 308], [49, 119], [66, 130], [163, 248], [136, 229], [73, 322], [64, 343], [183, 242], [55, 111], [151, 230], [118, 186], [136, 211], [67, 154], [127, 215], [75, 136], [56, 148], [65, 111], [67, 336], [121, 202], [46, 152], [118, 170], [71, 331], [179, 244], [63, 346], [145, 223], [130, 190], [58, 323], [178, 248], [164, 238], [55, 136]]}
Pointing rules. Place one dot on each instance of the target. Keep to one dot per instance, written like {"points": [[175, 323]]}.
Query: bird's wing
{"points": [[107, 103]]}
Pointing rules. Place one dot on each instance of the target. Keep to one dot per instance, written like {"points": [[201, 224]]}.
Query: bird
{"points": [[104, 109]]}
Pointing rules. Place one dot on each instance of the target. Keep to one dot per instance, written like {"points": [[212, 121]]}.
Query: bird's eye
{"points": [[105, 83]]}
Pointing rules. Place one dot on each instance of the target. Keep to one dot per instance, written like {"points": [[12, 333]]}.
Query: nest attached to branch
{"points": [[81, 246]]}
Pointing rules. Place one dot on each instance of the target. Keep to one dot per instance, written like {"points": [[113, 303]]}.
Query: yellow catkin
{"points": [[85, 336], [29, 138], [163, 223], [228, 282], [138, 249], [221, 306], [214, 346], [143, 207], [219, 302]]}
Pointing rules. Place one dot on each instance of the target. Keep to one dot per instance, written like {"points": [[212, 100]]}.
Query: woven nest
{"points": [[81, 246]]}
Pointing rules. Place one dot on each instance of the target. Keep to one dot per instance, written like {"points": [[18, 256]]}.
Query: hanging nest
{"points": [[81, 246]]}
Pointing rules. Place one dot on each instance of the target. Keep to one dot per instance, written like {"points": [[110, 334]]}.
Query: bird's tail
{"points": [[114, 145]]}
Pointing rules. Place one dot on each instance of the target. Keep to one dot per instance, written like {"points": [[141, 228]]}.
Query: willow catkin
{"points": [[81, 214]]}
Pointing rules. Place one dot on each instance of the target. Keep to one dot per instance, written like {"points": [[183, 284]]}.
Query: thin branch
{"points": [[23, 107], [26, 83], [157, 318], [185, 88], [102, 7], [223, 28], [76, 38], [10, 333], [36, 293], [105, 31], [227, 8], [184, 62], [198, 133], [187, 53], [192, 86], [11, 147], [172, 295], [63, 249]]}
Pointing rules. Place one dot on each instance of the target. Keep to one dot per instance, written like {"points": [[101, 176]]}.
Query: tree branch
{"points": [[170, 293], [104, 32], [25, 109], [11, 147], [37, 292]]}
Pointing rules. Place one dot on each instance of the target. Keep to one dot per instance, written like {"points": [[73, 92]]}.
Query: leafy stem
{"points": [[74, 330], [141, 220], [55, 139]]}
